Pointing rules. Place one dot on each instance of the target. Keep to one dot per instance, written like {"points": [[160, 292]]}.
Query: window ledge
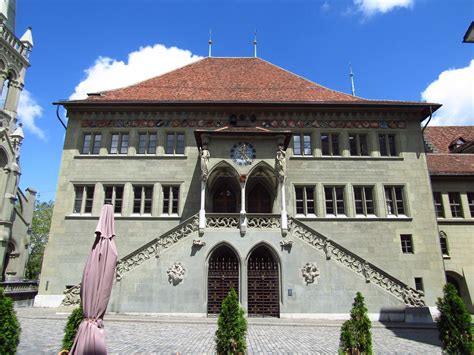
{"points": [[133, 217], [455, 220], [446, 257], [326, 157], [355, 219], [138, 156]]}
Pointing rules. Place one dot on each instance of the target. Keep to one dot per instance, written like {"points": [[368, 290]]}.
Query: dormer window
{"points": [[458, 142]]}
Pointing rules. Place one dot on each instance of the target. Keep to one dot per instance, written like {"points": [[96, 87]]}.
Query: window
{"points": [[443, 241], [334, 198], [394, 200], [364, 200], [304, 200], [170, 199], [455, 204], [114, 196], [91, 143], [330, 144], [174, 143], [142, 199], [438, 202], [119, 143], [407, 243], [358, 144], [470, 202], [419, 284], [302, 144], [147, 143], [387, 145], [84, 196]]}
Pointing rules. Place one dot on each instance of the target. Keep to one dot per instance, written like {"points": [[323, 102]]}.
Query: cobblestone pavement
{"points": [[42, 335]]}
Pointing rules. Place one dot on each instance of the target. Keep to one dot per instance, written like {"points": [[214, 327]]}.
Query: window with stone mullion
{"points": [[455, 204], [91, 143], [334, 199], [387, 145], [147, 143], [363, 199], [302, 144], [119, 143], [438, 202], [174, 143], [84, 196], [330, 144], [142, 199], [304, 200], [470, 201], [114, 196], [358, 144], [394, 200], [170, 199]]}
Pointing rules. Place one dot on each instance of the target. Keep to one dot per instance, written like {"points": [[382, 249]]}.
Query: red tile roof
{"points": [[442, 136], [226, 80], [441, 161]]}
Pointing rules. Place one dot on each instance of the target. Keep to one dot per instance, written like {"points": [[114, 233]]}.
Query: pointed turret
{"points": [[27, 38]]}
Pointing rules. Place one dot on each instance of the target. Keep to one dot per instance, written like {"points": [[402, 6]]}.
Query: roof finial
{"points": [[210, 43], [351, 75], [255, 44]]}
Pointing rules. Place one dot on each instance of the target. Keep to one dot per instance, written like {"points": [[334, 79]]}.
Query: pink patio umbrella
{"points": [[96, 286]]}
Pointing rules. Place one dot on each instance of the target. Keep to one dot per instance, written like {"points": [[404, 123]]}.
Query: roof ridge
{"points": [[310, 81]]}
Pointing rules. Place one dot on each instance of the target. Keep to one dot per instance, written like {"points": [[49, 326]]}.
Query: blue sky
{"points": [[399, 49]]}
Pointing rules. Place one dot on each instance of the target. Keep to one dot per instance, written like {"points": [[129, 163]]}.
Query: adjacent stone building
{"points": [[233, 172], [16, 206], [451, 166]]}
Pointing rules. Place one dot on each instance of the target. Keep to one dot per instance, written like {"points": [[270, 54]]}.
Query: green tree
{"points": [[355, 332], [9, 326], [71, 327], [39, 237], [454, 323], [231, 327]]}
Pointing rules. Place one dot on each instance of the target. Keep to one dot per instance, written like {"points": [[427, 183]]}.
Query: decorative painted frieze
{"points": [[216, 123], [368, 271], [310, 273], [176, 273]]}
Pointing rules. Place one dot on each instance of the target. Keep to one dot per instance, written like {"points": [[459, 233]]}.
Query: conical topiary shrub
{"points": [[70, 330], [231, 327], [355, 333], [9, 326], [454, 323]]}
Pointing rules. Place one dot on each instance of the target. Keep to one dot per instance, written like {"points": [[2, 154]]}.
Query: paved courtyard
{"points": [[42, 333]]}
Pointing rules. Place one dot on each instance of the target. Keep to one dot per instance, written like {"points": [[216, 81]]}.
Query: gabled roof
{"points": [[443, 162], [226, 80]]}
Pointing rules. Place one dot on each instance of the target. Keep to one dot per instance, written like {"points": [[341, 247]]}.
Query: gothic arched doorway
{"points": [[259, 200], [263, 284], [224, 200], [223, 275]]}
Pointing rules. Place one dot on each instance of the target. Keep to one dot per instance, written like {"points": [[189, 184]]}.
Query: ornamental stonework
{"points": [[310, 273], [176, 273]]}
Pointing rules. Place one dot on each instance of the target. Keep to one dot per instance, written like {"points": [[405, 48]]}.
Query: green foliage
{"points": [[355, 333], [9, 326], [39, 237], [71, 327], [454, 323], [231, 327]]}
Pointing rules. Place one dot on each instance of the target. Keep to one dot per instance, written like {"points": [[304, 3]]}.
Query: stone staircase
{"points": [[297, 229]]}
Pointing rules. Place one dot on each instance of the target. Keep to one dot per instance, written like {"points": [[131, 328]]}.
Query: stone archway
{"points": [[223, 274], [263, 282], [223, 189], [459, 282], [261, 189]]}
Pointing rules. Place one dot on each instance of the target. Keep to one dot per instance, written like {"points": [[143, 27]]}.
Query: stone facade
{"points": [[351, 202], [16, 206]]}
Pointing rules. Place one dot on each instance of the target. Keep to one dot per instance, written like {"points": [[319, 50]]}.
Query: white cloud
{"points": [[108, 73], [454, 88], [28, 112], [325, 7], [372, 7]]}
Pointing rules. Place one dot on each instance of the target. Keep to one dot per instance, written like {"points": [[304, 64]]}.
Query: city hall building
{"points": [[233, 172]]}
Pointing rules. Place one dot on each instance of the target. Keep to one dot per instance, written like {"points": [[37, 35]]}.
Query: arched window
{"points": [[443, 241]]}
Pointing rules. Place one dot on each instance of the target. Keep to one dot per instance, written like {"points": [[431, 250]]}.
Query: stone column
{"points": [[243, 213], [204, 157], [280, 171], [13, 95], [3, 77], [202, 211]]}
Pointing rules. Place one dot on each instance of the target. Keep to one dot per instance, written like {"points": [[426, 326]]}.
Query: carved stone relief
{"points": [[176, 273], [310, 272], [72, 296]]}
